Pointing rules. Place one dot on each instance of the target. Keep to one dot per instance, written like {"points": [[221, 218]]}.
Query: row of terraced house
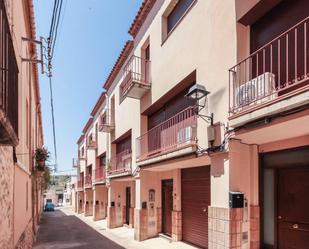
{"points": [[201, 133]]}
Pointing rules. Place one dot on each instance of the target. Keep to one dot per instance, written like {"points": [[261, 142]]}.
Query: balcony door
{"points": [[284, 57], [163, 130]]}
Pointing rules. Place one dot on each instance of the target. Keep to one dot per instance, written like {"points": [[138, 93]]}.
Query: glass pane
{"points": [[268, 209]]}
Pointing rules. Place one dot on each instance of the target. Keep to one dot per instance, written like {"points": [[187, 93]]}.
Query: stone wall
{"points": [[228, 228], [6, 197]]}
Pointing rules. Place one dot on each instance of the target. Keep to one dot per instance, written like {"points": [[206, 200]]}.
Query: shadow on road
{"points": [[60, 231]]}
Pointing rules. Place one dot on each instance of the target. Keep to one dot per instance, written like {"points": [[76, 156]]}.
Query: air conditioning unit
{"points": [[184, 135], [256, 90]]}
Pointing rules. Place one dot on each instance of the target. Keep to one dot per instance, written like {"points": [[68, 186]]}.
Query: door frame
{"points": [[128, 205], [163, 183], [280, 165]]}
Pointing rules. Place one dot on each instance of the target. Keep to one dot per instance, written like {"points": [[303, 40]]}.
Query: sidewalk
{"points": [[124, 236]]}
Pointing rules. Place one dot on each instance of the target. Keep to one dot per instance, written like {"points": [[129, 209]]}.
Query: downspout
{"points": [[107, 137], [30, 154]]}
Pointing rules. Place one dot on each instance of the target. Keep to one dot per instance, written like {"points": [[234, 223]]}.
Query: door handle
{"points": [[295, 226], [279, 217], [204, 210]]}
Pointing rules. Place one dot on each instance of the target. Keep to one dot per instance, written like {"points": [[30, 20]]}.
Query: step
{"points": [[165, 236]]}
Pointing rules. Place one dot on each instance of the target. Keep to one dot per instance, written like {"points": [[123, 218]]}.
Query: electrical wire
{"points": [[53, 33], [56, 30]]}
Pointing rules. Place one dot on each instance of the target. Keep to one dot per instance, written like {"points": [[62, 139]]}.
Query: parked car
{"points": [[49, 206]]}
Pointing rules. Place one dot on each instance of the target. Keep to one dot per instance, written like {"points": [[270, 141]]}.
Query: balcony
{"points": [[99, 175], [88, 181], [136, 78], [80, 185], [8, 86], [174, 134], [277, 71], [107, 121], [121, 163], [82, 157], [76, 163], [92, 144]]}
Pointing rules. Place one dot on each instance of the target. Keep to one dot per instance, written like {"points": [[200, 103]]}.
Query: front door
{"points": [[128, 205], [293, 208], [167, 206]]}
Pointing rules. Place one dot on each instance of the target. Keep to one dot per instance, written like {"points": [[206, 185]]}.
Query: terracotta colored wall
{"points": [[22, 202], [6, 196], [30, 136]]}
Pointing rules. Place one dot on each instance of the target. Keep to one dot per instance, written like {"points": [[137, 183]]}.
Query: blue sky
{"points": [[90, 38]]}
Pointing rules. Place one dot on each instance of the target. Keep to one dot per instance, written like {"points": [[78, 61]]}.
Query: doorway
{"points": [[285, 199], [128, 204], [167, 206]]}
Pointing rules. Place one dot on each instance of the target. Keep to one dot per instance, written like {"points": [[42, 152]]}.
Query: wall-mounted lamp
{"points": [[199, 93]]}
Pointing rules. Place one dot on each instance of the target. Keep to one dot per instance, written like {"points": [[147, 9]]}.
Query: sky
{"points": [[90, 37]]}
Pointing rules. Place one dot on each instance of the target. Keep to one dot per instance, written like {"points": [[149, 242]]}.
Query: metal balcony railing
{"points": [[92, 144], [8, 84], [175, 133], [107, 121], [76, 163], [99, 174], [136, 77], [277, 68], [121, 163]]}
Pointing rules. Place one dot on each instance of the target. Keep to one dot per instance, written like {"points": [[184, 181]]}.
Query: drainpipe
{"points": [[108, 154], [30, 152]]}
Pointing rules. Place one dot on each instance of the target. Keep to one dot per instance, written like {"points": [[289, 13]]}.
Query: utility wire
{"points": [[56, 30], [53, 33], [52, 24]]}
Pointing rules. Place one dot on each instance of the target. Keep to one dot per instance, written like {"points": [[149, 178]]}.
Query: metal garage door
{"points": [[195, 201]]}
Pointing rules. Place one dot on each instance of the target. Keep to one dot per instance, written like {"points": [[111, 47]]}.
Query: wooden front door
{"points": [[128, 205], [293, 208], [167, 206]]}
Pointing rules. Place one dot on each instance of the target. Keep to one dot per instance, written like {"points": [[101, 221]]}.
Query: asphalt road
{"points": [[60, 231]]}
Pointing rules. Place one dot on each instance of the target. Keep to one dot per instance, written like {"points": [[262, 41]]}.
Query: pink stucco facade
{"points": [[163, 160], [21, 190]]}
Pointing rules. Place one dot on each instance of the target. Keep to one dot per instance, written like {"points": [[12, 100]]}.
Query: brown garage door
{"points": [[195, 201]]}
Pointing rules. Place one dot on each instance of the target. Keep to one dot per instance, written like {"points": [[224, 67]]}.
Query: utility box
{"points": [[214, 134], [236, 200]]}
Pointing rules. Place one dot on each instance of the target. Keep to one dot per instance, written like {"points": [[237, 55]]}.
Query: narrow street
{"points": [[60, 231]]}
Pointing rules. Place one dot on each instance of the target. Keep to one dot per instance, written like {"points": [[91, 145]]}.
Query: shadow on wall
{"points": [[215, 98]]}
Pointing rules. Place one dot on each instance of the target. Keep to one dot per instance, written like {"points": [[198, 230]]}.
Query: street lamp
{"points": [[199, 93]]}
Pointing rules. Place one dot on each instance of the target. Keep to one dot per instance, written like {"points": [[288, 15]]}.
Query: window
{"points": [[174, 14], [8, 84], [27, 125], [177, 13], [102, 161], [124, 145]]}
